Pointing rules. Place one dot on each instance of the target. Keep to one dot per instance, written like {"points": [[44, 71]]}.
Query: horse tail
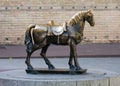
{"points": [[28, 35]]}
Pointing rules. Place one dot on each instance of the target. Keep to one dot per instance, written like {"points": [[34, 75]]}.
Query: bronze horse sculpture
{"points": [[42, 38]]}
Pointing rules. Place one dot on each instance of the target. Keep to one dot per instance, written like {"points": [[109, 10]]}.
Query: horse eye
{"points": [[89, 17], [90, 14]]}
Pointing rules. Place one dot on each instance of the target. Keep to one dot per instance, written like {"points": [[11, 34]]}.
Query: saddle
{"points": [[56, 29], [52, 28]]}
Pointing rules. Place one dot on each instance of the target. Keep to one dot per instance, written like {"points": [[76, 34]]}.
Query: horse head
{"points": [[89, 17], [82, 17]]}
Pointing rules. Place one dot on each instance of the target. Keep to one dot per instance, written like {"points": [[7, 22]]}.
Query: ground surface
{"points": [[83, 50], [86, 54], [110, 63]]}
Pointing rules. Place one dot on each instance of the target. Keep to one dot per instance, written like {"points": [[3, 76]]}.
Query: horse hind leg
{"points": [[29, 51], [43, 54], [29, 66]]}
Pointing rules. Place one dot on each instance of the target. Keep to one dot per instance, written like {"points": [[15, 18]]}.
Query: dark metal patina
{"points": [[72, 35]]}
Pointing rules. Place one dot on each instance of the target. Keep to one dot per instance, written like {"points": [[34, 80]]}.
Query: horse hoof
{"points": [[32, 71], [78, 68], [72, 68], [30, 68], [51, 67]]}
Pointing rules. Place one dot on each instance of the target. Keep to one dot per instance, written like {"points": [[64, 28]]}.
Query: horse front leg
{"points": [[71, 66], [74, 54], [43, 54]]}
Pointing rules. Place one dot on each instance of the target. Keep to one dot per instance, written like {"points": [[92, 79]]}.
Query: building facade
{"points": [[16, 15]]}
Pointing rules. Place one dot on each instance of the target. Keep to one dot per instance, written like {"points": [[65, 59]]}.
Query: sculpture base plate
{"points": [[55, 71]]}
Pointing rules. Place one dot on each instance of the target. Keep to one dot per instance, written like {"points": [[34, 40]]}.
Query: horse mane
{"points": [[76, 18]]}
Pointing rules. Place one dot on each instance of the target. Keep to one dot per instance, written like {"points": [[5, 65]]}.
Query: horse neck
{"points": [[79, 27], [82, 22]]}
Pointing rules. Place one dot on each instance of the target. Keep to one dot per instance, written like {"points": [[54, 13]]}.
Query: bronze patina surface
{"points": [[55, 71], [72, 35]]}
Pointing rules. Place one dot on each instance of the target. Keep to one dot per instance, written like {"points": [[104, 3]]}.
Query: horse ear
{"points": [[91, 10]]}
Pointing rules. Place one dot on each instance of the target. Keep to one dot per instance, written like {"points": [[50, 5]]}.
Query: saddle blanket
{"points": [[56, 30], [41, 27]]}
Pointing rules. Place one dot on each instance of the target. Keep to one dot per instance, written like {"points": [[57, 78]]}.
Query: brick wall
{"points": [[16, 15], [56, 2]]}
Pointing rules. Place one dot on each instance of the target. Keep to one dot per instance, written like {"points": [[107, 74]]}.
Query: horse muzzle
{"points": [[92, 24]]}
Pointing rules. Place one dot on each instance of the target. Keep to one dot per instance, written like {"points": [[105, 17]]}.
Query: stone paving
{"points": [[110, 63], [13, 58], [83, 50], [101, 72]]}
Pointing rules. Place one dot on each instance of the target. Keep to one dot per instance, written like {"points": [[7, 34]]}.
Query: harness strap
{"points": [[32, 36], [58, 41], [49, 30]]}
